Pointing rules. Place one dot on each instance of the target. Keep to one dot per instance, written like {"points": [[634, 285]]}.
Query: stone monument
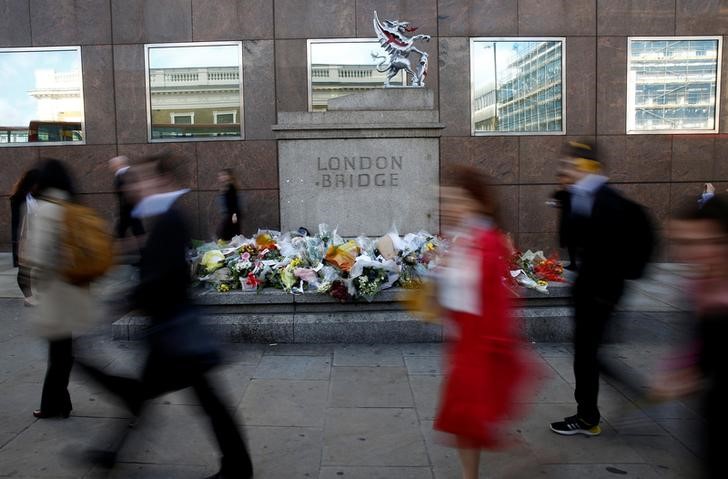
{"points": [[368, 163]]}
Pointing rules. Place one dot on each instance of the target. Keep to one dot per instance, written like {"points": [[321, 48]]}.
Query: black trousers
{"points": [[591, 315], [160, 377], [24, 274], [55, 398]]}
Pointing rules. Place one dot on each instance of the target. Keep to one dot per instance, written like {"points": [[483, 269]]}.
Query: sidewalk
{"points": [[333, 411]]}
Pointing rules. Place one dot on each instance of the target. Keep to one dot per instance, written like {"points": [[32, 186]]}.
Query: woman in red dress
{"points": [[484, 355]]}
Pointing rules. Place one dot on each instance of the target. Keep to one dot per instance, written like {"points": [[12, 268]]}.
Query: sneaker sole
{"points": [[584, 432]]}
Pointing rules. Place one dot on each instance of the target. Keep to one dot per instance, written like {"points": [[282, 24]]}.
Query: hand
{"points": [[235, 219], [709, 188]]}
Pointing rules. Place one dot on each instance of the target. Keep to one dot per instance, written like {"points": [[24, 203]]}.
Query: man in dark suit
{"points": [[181, 351], [598, 231], [119, 165]]}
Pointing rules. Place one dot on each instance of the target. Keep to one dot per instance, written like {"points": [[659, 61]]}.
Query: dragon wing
{"points": [[390, 39]]}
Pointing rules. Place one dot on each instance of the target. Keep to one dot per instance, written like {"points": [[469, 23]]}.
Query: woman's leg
{"points": [[470, 461], [55, 398], [24, 281]]}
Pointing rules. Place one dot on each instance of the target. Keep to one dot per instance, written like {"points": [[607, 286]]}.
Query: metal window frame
{"points": [[562, 132], [149, 46], [311, 41], [76, 48], [631, 86]]}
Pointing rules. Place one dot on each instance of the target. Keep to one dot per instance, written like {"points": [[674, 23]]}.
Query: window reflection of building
{"points": [[207, 99], [529, 91], [672, 84], [331, 81], [58, 95]]}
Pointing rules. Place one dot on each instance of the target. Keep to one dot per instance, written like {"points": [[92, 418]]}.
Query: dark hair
{"points": [[715, 210], [229, 172], [54, 174], [478, 186], [25, 183]]}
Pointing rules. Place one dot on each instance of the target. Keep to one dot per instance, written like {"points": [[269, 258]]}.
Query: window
{"points": [[516, 86], [41, 100], [225, 117], [182, 118], [673, 84], [194, 91], [342, 67]]}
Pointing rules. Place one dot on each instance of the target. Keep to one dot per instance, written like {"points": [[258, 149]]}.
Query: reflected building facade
{"points": [[672, 84], [334, 80], [195, 101], [528, 97]]}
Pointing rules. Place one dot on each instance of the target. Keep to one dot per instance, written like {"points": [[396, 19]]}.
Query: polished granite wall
{"points": [[654, 169]]}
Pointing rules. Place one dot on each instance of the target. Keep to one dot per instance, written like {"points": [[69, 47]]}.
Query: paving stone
{"points": [[153, 471], [367, 355], [422, 349], [423, 364], [284, 452], [373, 437], [596, 471], [16, 406], [275, 402], [553, 448], [426, 391], [370, 387], [299, 350], [375, 473], [687, 431], [294, 367], [39, 453], [171, 434], [554, 349], [666, 454]]}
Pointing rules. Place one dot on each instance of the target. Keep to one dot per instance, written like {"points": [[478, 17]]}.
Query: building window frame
{"points": [[562, 131], [631, 88], [150, 46], [173, 117], [217, 113], [82, 141]]}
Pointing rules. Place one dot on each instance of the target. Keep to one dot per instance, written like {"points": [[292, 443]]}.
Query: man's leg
{"points": [[235, 458], [590, 317]]}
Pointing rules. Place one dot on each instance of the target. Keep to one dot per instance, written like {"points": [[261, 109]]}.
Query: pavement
{"points": [[344, 411]]}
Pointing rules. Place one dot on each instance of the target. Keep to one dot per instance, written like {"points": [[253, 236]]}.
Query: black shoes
{"points": [[573, 425], [40, 414]]}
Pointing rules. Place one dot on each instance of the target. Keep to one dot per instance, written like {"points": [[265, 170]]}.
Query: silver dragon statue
{"points": [[392, 37]]}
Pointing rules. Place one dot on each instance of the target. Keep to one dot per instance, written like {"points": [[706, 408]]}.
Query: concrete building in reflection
{"points": [[672, 84], [199, 101], [529, 91], [331, 81]]}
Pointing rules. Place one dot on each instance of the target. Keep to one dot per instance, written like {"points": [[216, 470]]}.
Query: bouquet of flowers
{"points": [[535, 271]]}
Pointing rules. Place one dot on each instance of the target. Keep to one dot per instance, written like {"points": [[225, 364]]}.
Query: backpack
{"points": [[640, 238], [86, 245]]}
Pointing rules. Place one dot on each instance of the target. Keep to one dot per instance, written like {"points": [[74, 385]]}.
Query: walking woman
{"points": [[229, 225], [63, 307], [485, 356], [22, 204]]}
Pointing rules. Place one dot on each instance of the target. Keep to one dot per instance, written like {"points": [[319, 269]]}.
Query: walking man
{"points": [[119, 165], [598, 225]]}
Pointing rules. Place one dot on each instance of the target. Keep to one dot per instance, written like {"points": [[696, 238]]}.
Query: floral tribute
{"points": [[348, 270], [324, 263], [535, 271]]}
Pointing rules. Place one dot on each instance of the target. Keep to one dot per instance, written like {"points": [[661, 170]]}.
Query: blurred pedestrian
{"points": [[22, 206], [229, 224], [561, 199], [64, 307], [485, 364], [699, 236], [708, 193], [119, 165], [614, 241], [181, 351]]}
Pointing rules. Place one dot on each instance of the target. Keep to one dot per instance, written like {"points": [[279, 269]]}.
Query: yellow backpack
{"points": [[86, 245]]}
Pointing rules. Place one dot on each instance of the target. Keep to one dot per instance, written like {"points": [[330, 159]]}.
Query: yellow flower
{"points": [[223, 288], [430, 247], [542, 283], [212, 260]]}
